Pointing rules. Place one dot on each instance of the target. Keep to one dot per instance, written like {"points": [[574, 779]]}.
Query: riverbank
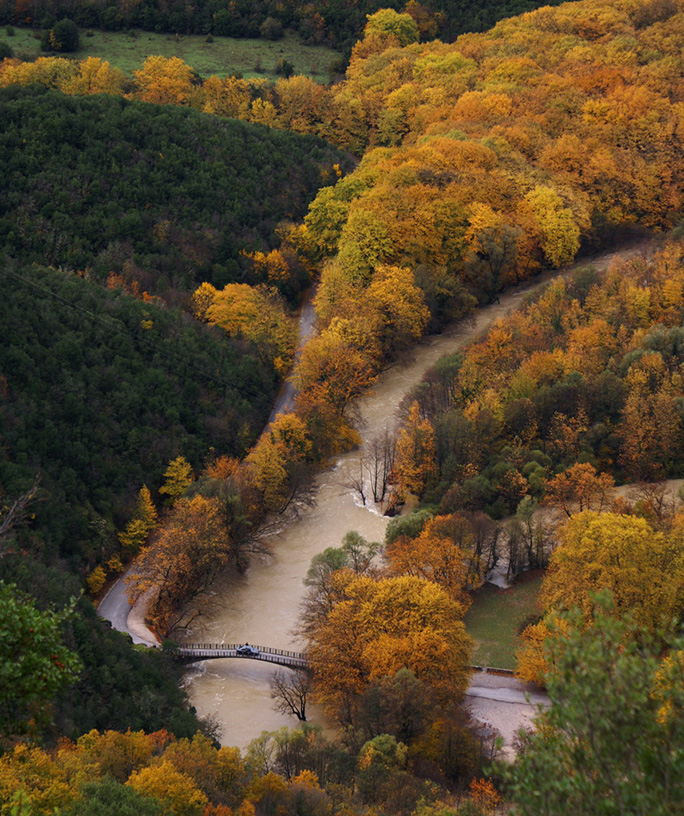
{"points": [[263, 605]]}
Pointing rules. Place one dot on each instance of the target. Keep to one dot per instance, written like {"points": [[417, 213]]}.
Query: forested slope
{"points": [[105, 206], [508, 151], [162, 196], [100, 391], [588, 371]]}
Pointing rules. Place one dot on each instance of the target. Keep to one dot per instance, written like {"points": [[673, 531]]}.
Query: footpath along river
{"points": [[262, 608]]}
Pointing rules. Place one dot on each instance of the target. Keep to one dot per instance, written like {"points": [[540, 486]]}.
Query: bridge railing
{"points": [[219, 647]]}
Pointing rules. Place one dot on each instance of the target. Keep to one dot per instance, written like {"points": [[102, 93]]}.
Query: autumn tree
{"points": [[178, 477], [436, 558], [329, 573], [400, 307], [95, 76], [579, 488], [643, 569], [379, 627], [164, 81], [329, 375], [651, 424], [256, 313], [276, 464], [415, 454], [177, 791], [611, 740], [187, 553], [142, 523]]}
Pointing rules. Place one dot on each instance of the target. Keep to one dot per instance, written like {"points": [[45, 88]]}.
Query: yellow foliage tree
{"points": [[559, 231], [378, 627], [164, 81], [400, 307], [643, 569], [177, 791], [95, 76], [178, 477], [142, 523], [258, 314]]}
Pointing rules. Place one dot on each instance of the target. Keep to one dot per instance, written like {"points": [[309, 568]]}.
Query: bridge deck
{"points": [[192, 652]]}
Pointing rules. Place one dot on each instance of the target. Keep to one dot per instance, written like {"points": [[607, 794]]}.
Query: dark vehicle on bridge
{"points": [[247, 651]]}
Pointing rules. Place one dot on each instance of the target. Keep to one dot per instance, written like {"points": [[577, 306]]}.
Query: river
{"points": [[262, 607]]}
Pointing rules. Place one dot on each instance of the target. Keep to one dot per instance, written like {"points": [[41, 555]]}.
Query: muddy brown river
{"points": [[262, 608]]}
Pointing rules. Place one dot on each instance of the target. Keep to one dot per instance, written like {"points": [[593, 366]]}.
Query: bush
{"points": [[284, 68], [271, 29], [63, 37]]}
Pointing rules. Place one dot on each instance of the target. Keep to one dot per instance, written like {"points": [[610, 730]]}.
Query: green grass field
{"points": [[223, 56], [493, 620]]}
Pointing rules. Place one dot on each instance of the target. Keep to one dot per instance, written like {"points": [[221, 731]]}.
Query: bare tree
{"points": [[486, 533], [380, 462], [290, 691], [513, 544], [14, 515], [656, 498], [357, 484]]}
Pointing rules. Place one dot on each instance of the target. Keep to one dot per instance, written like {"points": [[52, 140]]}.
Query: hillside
{"points": [[162, 196], [100, 391]]}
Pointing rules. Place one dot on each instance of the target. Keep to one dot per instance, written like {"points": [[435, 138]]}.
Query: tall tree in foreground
{"points": [[34, 663], [612, 741]]}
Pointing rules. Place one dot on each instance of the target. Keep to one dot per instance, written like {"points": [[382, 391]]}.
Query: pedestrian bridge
{"points": [[194, 652]]}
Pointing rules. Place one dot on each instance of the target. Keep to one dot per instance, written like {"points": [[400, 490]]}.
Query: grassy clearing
{"points": [[223, 56], [493, 619]]}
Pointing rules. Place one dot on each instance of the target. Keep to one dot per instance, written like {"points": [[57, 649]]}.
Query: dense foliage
{"points": [[160, 196], [288, 772], [612, 739], [588, 371], [116, 686], [505, 152], [100, 391], [333, 22]]}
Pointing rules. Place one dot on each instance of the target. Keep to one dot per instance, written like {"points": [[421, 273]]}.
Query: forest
{"points": [[332, 22], [159, 196], [155, 249]]}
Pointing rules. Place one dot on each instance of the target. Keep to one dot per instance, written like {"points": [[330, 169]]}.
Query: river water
{"points": [[262, 607]]}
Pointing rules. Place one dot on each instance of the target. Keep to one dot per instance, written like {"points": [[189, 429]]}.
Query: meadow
{"points": [[495, 618], [221, 56]]}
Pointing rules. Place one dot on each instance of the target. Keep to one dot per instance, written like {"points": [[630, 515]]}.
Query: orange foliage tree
{"points": [[188, 551], [379, 627]]}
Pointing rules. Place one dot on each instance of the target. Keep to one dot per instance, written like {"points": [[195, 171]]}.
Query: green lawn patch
{"points": [[223, 56], [495, 617]]}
